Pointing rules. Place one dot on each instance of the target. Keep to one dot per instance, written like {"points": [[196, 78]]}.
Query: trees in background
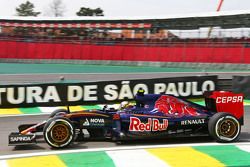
{"points": [[57, 8], [90, 12], [26, 9]]}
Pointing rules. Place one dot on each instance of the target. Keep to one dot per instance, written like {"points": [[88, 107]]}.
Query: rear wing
{"points": [[225, 101]]}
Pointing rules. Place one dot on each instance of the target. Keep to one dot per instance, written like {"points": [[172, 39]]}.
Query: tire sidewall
{"points": [[59, 111], [49, 126], [214, 122]]}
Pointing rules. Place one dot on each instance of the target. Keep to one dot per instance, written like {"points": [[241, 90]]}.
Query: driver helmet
{"points": [[124, 104]]}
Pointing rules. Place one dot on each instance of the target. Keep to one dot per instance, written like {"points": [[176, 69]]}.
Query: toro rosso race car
{"points": [[152, 116]]}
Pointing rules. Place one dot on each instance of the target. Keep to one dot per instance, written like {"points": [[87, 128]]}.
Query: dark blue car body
{"points": [[150, 121]]}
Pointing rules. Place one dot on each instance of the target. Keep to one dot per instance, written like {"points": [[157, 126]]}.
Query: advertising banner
{"points": [[241, 84], [86, 93]]}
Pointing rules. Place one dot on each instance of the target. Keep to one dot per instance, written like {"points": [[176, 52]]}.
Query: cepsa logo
{"points": [[151, 125], [229, 99]]}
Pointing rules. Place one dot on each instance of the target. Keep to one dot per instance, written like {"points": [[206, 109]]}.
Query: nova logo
{"points": [[96, 120], [86, 122]]}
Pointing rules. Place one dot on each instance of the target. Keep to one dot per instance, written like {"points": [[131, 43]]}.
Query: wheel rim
{"points": [[60, 133], [228, 128]]}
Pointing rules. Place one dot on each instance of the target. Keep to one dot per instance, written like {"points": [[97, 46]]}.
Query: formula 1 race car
{"points": [[151, 116]]}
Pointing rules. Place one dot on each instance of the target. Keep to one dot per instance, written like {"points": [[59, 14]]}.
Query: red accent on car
{"points": [[116, 116], [172, 106], [228, 102], [29, 130]]}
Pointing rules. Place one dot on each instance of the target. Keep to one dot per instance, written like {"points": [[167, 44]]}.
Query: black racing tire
{"points": [[224, 127], [58, 112], [59, 132]]}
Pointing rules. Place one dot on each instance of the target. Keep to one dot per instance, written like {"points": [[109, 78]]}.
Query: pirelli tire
{"points": [[58, 112], [59, 132], [224, 127]]}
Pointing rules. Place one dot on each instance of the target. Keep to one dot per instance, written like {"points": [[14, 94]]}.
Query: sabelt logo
{"points": [[151, 125], [20, 138]]}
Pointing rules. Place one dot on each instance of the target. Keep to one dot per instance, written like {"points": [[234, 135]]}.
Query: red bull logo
{"points": [[151, 125]]}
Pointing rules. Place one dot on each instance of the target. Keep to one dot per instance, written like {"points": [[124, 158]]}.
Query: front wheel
{"points": [[224, 127], [59, 132]]}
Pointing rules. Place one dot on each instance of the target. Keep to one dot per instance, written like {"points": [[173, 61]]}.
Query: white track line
{"points": [[48, 109], [134, 158], [3, 163], [244, 148], [3, 157]]}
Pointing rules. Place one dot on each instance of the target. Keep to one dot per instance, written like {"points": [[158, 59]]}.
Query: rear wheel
{"points": [[224, 127], [59, 132]]}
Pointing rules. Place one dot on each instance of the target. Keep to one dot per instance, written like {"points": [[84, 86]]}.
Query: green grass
{"points": [[24, 68]]}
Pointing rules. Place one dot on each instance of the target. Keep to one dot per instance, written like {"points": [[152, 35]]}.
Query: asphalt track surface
{"points": [[10, 124], [87, 77]]}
